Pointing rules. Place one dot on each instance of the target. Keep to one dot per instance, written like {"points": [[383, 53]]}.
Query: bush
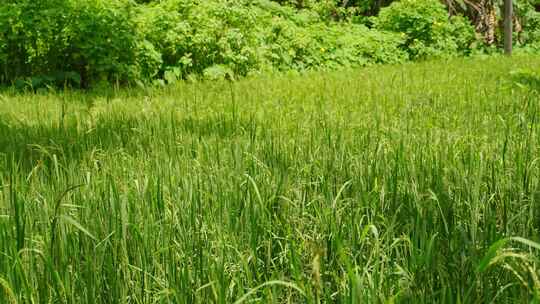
{"points": [[193, 36], [427, 28], [29, 33], [252, 36], [321, 45], [94, 40], [531, 30], [82, 42], [104, 42]]}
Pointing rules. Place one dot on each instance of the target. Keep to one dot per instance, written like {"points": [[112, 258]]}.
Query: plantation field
{"points": [[387, 184]]}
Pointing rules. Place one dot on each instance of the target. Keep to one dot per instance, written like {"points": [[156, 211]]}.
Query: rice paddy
{"points": [[416, 183]]}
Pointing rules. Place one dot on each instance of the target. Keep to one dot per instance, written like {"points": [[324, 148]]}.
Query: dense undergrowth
{"points": [[84, 43], [415, 183]]}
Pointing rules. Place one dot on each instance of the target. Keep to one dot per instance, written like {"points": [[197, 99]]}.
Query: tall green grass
{"points": [[417, 183]]}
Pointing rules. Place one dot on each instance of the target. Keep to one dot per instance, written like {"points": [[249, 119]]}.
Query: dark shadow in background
{"points": [[27, 144]]}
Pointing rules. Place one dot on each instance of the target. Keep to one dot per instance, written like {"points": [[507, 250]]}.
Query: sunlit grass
{"points": [[392, 183]]}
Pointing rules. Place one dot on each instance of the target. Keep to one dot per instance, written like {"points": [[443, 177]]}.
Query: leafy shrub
{"points": [[531, 30], [29, 32], [96, 39], [104, 43], [83, 42], [320, 45], [428, 29], [212, 38], [193, 35]]}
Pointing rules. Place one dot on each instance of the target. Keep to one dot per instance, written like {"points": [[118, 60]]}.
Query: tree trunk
{"points": [[508, 26]]}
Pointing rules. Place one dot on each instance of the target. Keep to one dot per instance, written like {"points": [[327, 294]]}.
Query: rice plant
{"points": [[415, 183]]}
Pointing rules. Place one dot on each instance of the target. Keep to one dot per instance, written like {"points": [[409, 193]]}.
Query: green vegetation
{"points": [[85, 42], [410, 183], [219, 157], [428, 30], [93, 43]]}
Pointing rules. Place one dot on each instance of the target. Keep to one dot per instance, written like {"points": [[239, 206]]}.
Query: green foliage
{"points": [[120, 41], [81, 43], [394, 184], [193, 35], [247, 37], [104, 43], [427, 28], [320, 45], [531, 31], [96, 39], [29, 32], [339, 9]]}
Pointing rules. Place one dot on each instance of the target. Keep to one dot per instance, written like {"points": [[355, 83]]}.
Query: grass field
{"points": [[389, 184]]}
